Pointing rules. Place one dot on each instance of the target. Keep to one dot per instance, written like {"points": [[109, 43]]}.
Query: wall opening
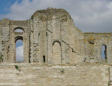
{"points": [[104, 52], [19, 50], [44, 59], [20, 30]]}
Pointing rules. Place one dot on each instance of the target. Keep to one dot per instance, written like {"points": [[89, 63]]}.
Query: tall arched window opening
{"points": [[104, 52], [19, 50]]}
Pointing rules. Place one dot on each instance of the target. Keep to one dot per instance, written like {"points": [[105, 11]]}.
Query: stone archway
{"points": [[19, 34]]}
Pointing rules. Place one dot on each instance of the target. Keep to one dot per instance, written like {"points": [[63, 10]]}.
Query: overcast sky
{"points": [[88, 15]]}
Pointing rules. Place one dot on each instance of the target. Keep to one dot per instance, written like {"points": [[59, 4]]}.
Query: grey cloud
{"points": [[88, 15]]}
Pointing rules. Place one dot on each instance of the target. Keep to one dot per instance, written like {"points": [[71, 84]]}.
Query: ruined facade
{"points": [[50, 37]]}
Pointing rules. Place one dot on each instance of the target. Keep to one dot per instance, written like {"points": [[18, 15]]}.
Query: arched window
{"points": [[19, 50], [104, 52], [20, 30]]}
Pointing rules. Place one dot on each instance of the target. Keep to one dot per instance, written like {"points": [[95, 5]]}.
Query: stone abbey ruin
{"points": [[56, 52]]}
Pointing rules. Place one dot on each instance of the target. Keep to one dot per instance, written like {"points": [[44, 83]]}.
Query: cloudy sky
{"points": [[88, 15]]}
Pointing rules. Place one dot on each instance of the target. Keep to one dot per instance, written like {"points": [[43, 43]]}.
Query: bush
{"points": [[1, 58], [17, 67]]}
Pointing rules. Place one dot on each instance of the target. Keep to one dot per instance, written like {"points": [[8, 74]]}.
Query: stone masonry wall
{"points": [[56, 52], [52, 36], [46, 75], [93, 46], [4, 28]]}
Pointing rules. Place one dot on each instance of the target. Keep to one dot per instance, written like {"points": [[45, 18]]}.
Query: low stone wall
{"points": [[42, 75]]}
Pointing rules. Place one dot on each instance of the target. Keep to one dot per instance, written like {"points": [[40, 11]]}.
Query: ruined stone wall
{"points": [[58, 52], [55, 75], [24, 25], [4, 35], [55, 37], [50, 36], [8, 39], [93, 46]]}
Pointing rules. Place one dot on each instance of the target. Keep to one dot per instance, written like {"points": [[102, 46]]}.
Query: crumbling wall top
{"points": [[22, 22], [51, 12], [14, 22], [4, 22], [98, 34]]}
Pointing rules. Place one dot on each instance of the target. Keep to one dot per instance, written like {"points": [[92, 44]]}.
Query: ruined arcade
{"points": [[56, 52]]}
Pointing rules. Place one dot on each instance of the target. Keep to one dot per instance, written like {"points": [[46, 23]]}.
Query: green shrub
{"points": [[17, 67], [1, 58]]}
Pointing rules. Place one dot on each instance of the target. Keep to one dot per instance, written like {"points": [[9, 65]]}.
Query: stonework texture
{"points": [[56, 52]]}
